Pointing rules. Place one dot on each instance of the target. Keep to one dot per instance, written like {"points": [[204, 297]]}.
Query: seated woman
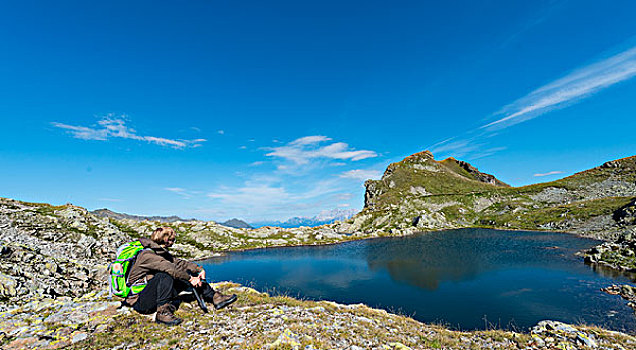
{"points": [[166, 277]]}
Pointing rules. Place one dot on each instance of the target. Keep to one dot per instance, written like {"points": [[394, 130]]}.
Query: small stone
{"points": [[587, 340], [536, 340], [288, 338], [78, 337], [22, 343]]}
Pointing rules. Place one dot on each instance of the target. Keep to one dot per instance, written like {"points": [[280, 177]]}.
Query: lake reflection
{"points": [[468, 279]]}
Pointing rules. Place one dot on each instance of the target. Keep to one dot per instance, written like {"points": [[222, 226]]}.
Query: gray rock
{"points": [[586, 339], [78, 337]]}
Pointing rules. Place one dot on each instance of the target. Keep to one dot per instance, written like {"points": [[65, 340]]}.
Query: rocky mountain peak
{"points": [[420, 156], [473, 172], [627, 163], [415, 160], [421, 175]]}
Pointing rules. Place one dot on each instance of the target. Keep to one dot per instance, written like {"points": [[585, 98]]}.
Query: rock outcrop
{"points": [[626, 292], [50, 251]]}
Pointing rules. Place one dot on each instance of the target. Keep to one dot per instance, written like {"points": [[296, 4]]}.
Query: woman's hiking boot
{"points": [[165, 315], [221, 300]]}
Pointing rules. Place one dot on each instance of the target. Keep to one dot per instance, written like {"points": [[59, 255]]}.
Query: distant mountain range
{"points": [[107, 213], [324, 217]]}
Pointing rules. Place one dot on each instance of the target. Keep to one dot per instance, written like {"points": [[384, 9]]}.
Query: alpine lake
{"points": [[464, 279]]}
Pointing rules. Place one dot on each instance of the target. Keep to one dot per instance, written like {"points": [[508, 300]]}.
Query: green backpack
{"points": [[120, 268]]}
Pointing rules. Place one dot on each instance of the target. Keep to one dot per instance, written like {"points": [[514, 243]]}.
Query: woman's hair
{"points": [[162, 235]]}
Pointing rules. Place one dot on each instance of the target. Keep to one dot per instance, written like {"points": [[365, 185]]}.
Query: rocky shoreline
{"points": [[619, 256]]}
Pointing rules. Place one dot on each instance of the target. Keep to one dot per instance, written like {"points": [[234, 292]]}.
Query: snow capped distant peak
{"points": [[335, 214], [324, 217]]}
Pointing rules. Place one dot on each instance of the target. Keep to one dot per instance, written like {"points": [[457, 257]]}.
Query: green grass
{"points": [[514, 207], [125, 228]]}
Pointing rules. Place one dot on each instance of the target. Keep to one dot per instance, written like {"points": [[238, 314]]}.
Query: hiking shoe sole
{"points": [[225, 302], [173, 323]]}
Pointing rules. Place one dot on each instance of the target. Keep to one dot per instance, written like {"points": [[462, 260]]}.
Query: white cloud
{"points": [[303, 182], [114, 200], [361, 174], [305, 149], [273, 197], [571, 88], [549, 173], [308, 140], [251, 196], [184, 192], [220, 132], [575, 86], [180, 191], [111, 127], [82, 132], [174, 189]]}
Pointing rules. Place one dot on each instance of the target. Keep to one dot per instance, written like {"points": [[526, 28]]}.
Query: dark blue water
{"points": [[465, 279]]}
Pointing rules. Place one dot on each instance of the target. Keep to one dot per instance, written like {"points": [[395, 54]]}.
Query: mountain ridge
{"points": [[107, 213], [421, 193], [236, 223]]}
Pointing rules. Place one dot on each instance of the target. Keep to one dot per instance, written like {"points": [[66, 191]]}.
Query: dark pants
{"points": [[163, 289]]}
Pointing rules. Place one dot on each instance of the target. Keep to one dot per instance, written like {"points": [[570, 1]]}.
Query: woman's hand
{"points": [[202, 274], [195, 281]]}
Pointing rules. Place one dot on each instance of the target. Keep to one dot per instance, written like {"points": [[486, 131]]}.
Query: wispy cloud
{"points": [[361, 174], [115, 127], [549, 173], [83, 132], [572, 88], [252, 195], [305, 149], [114, 200], [186, 194], [274, 197], [307, 178]]}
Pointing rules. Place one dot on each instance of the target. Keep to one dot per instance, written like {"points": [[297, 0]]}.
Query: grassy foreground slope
{"points": [[260, 321], [420, 193]]}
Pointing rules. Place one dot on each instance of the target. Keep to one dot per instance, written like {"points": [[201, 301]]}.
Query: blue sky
{"points": [[267, 110]]}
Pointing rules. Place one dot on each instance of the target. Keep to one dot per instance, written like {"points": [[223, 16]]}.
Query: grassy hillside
{"points": [[420, 193]]}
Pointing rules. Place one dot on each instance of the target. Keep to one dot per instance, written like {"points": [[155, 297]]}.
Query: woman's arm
{"points": [[148, 260]]}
